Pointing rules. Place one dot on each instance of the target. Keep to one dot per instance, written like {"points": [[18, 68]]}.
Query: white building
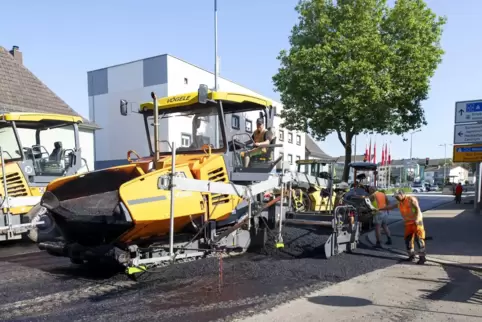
{"points": [[166, 76]]}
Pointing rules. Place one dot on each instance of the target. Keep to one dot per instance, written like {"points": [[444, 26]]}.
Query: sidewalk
{"points": [[406, 291], [453, 231]]}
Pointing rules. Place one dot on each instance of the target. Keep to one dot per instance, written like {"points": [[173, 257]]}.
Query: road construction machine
{"points": [[180, 203], [358, 195], [35, 148], [338, 224], [313, 192]]}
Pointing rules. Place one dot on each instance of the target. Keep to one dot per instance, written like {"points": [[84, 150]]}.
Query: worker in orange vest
{"points": [[414, 229], [380, 200]]}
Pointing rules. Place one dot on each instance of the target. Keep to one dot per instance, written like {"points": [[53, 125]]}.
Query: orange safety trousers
{"points": [[414, 232]]}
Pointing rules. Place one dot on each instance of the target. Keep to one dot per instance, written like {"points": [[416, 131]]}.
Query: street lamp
{"points": [[445, 159], [411, 140]]}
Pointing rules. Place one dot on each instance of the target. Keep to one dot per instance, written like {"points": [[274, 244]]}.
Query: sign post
{"points": [[468, 138]]}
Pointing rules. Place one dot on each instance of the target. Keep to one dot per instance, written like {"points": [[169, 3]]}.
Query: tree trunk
{"points": [[347, 144]]}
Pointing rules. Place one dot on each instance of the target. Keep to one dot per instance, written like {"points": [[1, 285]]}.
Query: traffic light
{"points": [[426, 161]]}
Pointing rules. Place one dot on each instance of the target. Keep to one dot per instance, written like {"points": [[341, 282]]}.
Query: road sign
{"points": [[468, 133], [467, 153], [468, 111]]}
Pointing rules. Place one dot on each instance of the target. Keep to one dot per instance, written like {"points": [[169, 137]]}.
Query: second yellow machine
{"points": [[35, 149]]}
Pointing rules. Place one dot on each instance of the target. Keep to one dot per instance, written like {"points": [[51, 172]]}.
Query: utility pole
{"points": [[216, 66], [216, 71]]}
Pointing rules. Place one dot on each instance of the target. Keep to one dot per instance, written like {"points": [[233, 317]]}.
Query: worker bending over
{"points": [[380, 200], [412, 216], [261, 137]]}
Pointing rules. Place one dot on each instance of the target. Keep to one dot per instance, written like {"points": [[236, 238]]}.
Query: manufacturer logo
{"points": [[28, 169], [179, 99]]}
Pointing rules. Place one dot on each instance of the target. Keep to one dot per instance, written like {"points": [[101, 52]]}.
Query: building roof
{"points": [[22, 91], [313, 148]]}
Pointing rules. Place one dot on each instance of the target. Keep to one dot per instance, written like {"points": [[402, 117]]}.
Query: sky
{"points": [[62, 40]]}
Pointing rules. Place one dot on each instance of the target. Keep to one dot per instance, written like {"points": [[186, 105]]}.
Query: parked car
{"points": [[418, 187]]}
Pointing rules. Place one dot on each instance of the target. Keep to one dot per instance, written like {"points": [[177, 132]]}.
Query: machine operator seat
{"points": [[57, 152]]}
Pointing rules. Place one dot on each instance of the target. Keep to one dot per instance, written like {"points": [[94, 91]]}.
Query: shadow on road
{"points": [[348, 301]]}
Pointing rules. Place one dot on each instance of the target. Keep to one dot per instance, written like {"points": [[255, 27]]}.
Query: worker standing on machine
{"points": [[261, 137], [380, 200], [414, 229]]}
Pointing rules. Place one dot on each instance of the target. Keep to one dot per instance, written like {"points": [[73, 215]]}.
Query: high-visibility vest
{"points": [[407, 210], [380, 200]]}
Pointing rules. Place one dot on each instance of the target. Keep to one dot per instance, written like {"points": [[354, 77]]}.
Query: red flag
{"points": [[365, 159], [386, 153], [370, 151], [383, 155], [389, 156], [375, 152]]}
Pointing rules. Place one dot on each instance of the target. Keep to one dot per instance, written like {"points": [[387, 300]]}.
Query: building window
{"points": [[186, 81], [298, 157], [185, 140], [298, 140], [290, 158], [290, 137], [235, 122], [281, 135], [249, 126]]}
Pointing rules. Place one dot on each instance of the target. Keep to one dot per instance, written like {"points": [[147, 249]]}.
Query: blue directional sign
{"points": [[468, 153], [470, 149], [468, 111], [473, 107]]}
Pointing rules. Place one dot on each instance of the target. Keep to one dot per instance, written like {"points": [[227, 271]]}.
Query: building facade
{"points": [[166, 76]]}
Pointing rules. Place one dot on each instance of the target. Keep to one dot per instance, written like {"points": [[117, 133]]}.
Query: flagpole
{"points": [[389, 160]]}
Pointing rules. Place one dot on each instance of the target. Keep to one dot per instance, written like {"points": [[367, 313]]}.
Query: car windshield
{"points": [[9, 143], [197, 128]]}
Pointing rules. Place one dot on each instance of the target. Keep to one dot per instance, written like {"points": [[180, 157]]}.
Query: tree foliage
{"points": [[358, 66]]}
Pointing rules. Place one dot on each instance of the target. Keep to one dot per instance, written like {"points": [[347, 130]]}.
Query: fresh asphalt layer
{"points": [[35, 286]]}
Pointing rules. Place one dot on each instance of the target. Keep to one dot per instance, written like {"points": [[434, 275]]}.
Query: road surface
{"points": [[35, 286]]}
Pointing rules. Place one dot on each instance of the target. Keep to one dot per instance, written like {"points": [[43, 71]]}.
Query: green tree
{"points": [[358, 66]]}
